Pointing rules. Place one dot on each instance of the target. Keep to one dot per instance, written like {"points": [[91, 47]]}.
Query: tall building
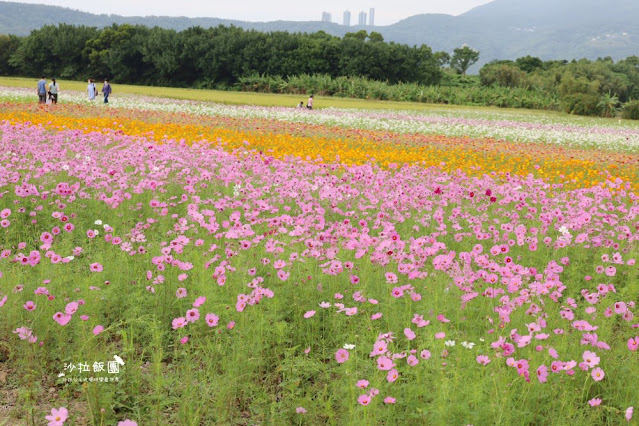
{"points": [[371, 17], [326, 17], [362, 18], [347, 18]]}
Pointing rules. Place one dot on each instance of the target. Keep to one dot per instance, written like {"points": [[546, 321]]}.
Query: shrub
{"points": [[630, 110], [581, 104]]}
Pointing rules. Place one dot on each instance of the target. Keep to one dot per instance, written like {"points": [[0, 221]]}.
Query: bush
{"points": [[581, 104], [630, 110]]}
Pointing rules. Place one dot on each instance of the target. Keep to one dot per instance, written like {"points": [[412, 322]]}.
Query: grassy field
{"points": [[260, 99]]}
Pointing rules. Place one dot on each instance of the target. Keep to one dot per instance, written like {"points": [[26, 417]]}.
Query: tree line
{"points": [[210, 58], [601, 87], [360, 64]]}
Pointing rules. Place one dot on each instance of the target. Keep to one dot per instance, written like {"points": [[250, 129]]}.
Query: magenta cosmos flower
{"points": [[598, 374], [58, 416], [341, 356]]}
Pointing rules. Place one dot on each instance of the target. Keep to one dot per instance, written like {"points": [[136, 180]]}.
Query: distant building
{"points": [[371, 17], [347, 18], [326, 17], [362, 18]]}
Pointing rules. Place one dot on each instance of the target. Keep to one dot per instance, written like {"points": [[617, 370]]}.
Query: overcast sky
{"points": [[386, 11]]}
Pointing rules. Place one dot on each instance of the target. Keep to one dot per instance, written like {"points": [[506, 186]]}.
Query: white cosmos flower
{"points": [[349, 346], [449, 343], [467, 345]]}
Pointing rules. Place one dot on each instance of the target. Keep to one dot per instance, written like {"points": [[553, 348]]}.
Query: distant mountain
{"points": [[502, 29]]}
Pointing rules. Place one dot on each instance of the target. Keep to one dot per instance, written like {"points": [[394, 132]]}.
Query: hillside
{"points": [[502, 29]]}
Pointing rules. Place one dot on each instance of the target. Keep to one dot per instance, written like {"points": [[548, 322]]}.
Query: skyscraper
{"points": [[326, 17], [371, 17], [347, 18], [362, 18]]}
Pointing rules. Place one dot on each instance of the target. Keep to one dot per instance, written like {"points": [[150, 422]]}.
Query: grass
{"points": [[260, 99]]}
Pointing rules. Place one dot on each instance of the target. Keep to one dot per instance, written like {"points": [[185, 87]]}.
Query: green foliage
{"points": [[8, 46], [363, 88], [503, 75], [581, 104], [529, 63], [630, 110], [53, 51], [577, 84], [463, 58], [213, 57]]}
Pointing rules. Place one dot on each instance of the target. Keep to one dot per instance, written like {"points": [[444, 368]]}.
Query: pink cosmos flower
{"points": [[211, 319], [633, 343], [425, 354], [71, 308], [364, 399], [309, 314], [376, 316], [180, 293], [192, 315], [392, 375], [620, 307], [442, 318], [591, 359], [598, 374], [594, 402], [127, 422], [629, 411], [362, 384], [410, 334], [178, 323], [412, 360], [341, 356], [29, 306], [300, 410], [58, 416], [98, 329], [384, 363], [389, 400], [199, 301], [184, 339], [483, 359], [95, 267], [62, 319], [542, 373], [440, 335]]}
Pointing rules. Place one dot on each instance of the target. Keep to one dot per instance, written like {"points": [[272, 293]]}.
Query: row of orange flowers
{"points": [[574, 168]]}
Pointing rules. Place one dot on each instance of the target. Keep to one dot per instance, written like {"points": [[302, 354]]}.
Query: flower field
{"points": [[175, 262]]}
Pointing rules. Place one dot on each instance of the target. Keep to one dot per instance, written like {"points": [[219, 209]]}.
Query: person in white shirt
{"points": [[54, 89], [92, 91]]}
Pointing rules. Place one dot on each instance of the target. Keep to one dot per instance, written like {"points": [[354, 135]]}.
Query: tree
{"points": [[529, 63], [442, 58], [8, 45], [463, 58], [608, 104], [374, 36]]}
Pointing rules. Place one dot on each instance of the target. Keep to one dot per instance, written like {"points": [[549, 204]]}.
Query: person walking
{"points": [[106, 90], [92, 91], [42, 90], [54, 89], [309, 104]]}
